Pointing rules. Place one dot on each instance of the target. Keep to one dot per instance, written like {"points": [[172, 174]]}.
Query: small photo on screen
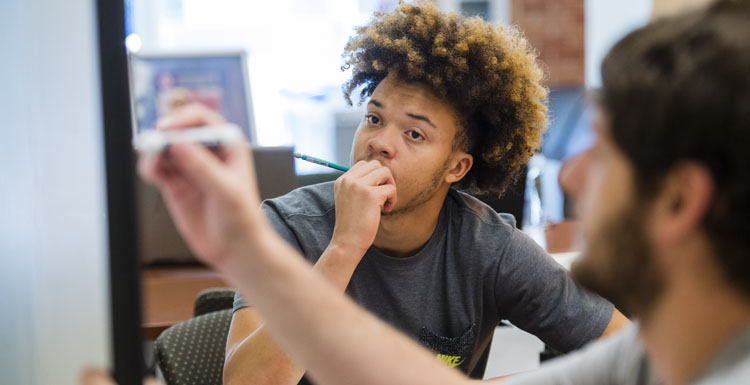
{"points": [[163, 82]]}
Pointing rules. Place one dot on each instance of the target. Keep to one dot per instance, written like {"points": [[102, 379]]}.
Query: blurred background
{"points": [[291, 51]]}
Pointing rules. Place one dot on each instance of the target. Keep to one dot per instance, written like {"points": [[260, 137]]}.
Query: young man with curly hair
{"points": [[451, 102]]}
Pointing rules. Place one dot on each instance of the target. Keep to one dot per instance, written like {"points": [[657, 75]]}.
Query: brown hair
{"points": [[488, 73], [679, 90]]}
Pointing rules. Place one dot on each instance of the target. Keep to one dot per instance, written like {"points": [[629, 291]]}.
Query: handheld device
{"points": [[209, 136]]}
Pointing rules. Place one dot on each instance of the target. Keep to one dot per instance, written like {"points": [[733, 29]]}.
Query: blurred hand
{"points": [[100, 377], [189, 115], [361, 194], [212, 196]]}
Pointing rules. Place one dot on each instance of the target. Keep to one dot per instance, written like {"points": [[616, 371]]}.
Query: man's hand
{"points": [[92, 376], [212, 196], [362, 193]]}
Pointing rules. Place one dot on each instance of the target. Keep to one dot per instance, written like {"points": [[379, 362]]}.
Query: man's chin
{"points": [[618, 264], [590, 273], [399, 210], [393, 213]]}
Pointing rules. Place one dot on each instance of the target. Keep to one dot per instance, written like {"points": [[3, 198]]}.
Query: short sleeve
{"points": [[537, 294], [280, 224], [282, 228], [239, 302], [618, 359]]}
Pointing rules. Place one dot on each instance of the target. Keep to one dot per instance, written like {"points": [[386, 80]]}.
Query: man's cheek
{"points": [[358, 148], [586, 206], [591, 206]]}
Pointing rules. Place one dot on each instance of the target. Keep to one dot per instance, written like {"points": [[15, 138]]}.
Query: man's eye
{"points": [[372, 119], [414, 135]]}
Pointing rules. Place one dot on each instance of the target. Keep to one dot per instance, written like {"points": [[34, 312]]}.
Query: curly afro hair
{"points": [[490, 74]]}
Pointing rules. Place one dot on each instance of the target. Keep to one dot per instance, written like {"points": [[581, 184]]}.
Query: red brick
{"points": [[555, 29]]}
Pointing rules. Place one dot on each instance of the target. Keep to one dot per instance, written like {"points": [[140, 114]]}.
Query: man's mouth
{"points": [[382, 161]]}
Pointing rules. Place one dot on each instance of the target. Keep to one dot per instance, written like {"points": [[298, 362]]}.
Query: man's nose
{"points": [[384, 142]]}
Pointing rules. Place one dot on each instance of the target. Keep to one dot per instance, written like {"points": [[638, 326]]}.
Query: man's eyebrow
{"points": [[422, 118], [411, 115]]}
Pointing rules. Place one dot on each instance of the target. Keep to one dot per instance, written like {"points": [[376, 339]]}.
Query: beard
{"points": [[619, 264], [424, 195]]}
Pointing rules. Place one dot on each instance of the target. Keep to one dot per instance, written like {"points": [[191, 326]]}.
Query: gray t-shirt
{"points": [[476, 270], [620, 360]]}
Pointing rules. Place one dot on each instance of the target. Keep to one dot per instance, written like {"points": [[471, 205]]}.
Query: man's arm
{"points": [[252, 355], [339, 342], [616, 323], [538, 295]]}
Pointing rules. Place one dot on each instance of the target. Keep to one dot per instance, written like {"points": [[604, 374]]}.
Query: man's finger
{"points": [[95, 377], [92, 376], [199, 165], [191, 115], [387, 195], [155, 169], [147, 167], [362, 168], [151, 381], [379, 176]]}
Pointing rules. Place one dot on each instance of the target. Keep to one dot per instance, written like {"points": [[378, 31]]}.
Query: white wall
{"points": [[499, 11], [53, 246], [606, 22]]}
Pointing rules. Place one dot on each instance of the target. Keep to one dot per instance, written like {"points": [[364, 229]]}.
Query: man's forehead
{"points": [[409, 90]]}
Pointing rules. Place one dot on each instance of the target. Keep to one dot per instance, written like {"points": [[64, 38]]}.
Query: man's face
{"points": [[411, 132], [618, 262]]}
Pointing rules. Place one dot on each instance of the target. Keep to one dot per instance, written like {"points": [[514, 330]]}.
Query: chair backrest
{"points": [[213, 299], [192, 352]]}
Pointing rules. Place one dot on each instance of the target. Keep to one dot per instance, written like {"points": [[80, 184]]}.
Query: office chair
{"points": [[192, 352]]}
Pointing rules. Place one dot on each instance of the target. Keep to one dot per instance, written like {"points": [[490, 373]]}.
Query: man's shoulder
{"points": [[311, 201], [469, 212], [732, 364], [478, 229], [619, 358]]}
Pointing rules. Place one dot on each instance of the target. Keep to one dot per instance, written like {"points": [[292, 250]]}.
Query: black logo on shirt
{"points": [[451, 351]]}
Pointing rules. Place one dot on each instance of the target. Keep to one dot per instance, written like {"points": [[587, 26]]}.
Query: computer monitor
{"points": [[162, 81], [161, 243]]}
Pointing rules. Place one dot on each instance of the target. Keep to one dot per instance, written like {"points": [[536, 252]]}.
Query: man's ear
{"points": [[684, 198], [459, 166]]}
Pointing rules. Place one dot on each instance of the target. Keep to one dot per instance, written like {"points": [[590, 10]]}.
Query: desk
{"points": [[169, 294], [563, 237]]}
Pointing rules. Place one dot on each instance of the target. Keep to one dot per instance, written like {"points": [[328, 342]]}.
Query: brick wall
{"points": [[555, 29]]}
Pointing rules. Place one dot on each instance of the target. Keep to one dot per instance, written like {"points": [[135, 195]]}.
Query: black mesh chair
{"points": [[213, 299], [192, 352]]}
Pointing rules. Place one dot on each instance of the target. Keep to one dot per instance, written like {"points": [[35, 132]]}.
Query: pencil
{"points": [[321, 162]]}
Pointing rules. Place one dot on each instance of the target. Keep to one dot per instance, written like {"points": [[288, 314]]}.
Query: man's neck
{"points": [[403, 235], [694, 319]]}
